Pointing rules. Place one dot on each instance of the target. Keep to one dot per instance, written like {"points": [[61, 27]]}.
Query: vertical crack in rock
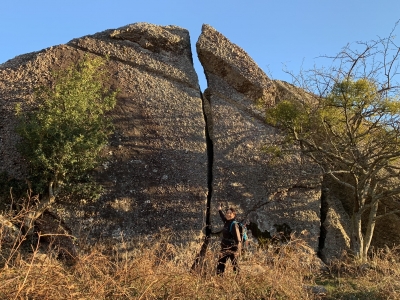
{"points": [[324, 212], [210, 156]]}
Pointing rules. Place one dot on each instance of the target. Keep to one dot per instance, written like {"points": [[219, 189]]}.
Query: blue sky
{"points": [[277, 34]]}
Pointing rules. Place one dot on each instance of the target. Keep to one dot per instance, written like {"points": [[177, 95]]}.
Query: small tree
{"points": [[349, 124], [66, 128]]}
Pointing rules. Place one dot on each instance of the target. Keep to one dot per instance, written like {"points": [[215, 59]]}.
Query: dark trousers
{"points": [[225, 254]]}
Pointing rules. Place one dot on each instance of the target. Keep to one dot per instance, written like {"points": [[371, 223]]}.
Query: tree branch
{"points": [[387, 214]]}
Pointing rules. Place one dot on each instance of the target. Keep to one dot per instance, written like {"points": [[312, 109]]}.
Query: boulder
{"points": [[155, 173], [274, 193], [176, 152]]}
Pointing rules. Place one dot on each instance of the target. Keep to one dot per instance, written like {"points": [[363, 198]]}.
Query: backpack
{"points": [[243, 232]]}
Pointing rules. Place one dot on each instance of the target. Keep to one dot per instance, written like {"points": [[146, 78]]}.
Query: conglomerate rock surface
{"points": [[155, 175], [176, 152], [274, 194]]}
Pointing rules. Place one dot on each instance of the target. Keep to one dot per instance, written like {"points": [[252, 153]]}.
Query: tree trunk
{"points": [[33, 215], [356, 237], [370, 229]]}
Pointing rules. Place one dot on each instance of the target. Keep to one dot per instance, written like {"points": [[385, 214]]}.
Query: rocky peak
{"points": [[176, 153], [170, 39], [156, 161], [231, 63]]}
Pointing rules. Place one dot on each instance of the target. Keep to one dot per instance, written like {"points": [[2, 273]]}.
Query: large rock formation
{"points": [[175, 152], [156, 170], [274, 193]]}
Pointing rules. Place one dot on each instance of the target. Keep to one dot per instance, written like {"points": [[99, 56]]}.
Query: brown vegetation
{"points": [[157, 269]]}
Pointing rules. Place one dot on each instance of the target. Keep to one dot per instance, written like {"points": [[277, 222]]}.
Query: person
{"points": [[231, 244]]}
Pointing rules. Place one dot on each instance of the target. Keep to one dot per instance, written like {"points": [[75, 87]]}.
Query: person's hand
{"points": [[220, 206]]}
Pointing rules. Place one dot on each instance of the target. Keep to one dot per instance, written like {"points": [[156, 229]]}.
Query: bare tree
{"points": [[348, 122]]}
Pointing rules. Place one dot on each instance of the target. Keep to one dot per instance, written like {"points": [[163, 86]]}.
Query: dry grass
{"points": [[160, 270], [377, 279], [154, 270]]}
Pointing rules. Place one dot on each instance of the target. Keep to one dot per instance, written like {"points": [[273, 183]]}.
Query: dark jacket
{"points": [[232, 237]]}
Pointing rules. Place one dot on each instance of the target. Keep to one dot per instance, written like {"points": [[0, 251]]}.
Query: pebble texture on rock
{"points": [[159, 163], [270, 192], [155, 175]]}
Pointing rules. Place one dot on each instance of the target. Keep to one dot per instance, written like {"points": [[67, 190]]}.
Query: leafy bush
{"points": [[65, 129]]}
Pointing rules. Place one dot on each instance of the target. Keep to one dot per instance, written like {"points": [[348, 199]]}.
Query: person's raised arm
{"points": [[221, 213]]}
